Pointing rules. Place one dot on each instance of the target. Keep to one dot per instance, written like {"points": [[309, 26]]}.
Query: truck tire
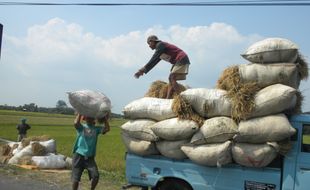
{"points": [[173, 184]]}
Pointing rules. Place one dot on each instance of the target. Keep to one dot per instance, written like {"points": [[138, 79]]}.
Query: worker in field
{"points": [[84, 150], [170, 53], [22, 129]]}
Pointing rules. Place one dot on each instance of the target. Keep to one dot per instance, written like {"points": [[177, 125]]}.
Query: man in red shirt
{"points": [[170, 53]]}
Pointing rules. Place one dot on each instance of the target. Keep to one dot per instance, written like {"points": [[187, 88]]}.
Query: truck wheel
{"points": [[173, 184]]}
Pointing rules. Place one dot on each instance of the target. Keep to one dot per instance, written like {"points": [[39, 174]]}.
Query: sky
{"points": [[48, 51]]}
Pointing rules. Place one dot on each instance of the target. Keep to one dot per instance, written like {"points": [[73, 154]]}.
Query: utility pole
{"points": [[1, 29]]}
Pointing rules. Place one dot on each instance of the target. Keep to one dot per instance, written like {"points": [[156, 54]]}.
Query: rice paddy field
{"points": [[110, 148]]}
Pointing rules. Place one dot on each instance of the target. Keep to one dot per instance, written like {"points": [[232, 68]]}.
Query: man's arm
{"points": [[106, 124], [153, 61], [77, 121]]}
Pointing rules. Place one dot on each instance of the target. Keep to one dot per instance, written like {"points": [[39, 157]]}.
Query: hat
{"points": [[152, 38]]}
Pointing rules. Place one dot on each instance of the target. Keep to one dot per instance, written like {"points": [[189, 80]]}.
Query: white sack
{"points": [[139, 147], [140, 129], [90, 103], [175, 129], [270, 128], [272, 50], [27, 151], [254, 155], [209, 154], [267, 74], [172, 149], [274, 99], [215, 130], [149, 108], [51, 161], [208, 102]]}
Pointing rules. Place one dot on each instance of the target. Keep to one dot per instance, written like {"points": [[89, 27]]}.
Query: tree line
{"points": [[60, 108]]}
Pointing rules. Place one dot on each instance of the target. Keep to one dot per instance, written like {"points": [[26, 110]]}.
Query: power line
{"points": [[210, 3]]}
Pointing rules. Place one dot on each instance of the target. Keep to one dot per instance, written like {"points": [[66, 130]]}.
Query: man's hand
{"points": [[139, 73]]}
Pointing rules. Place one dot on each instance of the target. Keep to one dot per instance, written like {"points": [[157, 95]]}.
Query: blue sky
{"points": [[50, 50]]}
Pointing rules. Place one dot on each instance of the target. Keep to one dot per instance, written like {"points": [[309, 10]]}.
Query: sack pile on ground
{"points": [[38, 151], [244, 120]]}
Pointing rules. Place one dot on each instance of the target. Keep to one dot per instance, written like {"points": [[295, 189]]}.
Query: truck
{"points": [[289, 172]]}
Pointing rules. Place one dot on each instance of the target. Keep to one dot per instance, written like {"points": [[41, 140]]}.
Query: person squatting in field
{"points": [[22, 129], [84, 150], [170, 53]]}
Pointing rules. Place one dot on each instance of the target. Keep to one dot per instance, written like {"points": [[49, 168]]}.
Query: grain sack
{"points": [[274, 99], [215, 130], [209, 154], [266, 75], [51, 161], [208, 102], [175, 129], [140, 129], [270, 128], [254, 155], [139, 147], [90, 103], [272, 50], [27, 151], [149, 108], [172, 149]]}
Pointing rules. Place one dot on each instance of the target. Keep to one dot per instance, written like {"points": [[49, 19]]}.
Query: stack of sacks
{"points": [[90, 103], [272, 78], [153, 128], [261, 92], [33, 151]]}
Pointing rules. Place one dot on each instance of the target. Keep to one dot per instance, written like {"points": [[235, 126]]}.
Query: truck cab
{"points": [[289, 172]]}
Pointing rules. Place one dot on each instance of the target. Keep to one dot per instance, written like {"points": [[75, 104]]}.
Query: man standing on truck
{"points": [[170, 53]]}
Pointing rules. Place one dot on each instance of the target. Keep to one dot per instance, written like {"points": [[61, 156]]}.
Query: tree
{"points": [[61, 104]]}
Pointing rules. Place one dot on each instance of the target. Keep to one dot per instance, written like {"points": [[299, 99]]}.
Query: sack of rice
{"points": [[50, 145], [268, 74], [270, 128], [90, 103], [149, 108], [27, 151], [175, 129], [254, 155], [208, 102], [51, 161], [272, 50], [140, 129], [274, 99], [215, 130], [209, 154], [139, 147], [172, 149]]}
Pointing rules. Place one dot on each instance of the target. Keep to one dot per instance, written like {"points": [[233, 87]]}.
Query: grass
{"points": [[110, 148]]}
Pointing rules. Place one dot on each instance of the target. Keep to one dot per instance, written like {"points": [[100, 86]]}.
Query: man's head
{"points": [[23, 120], [89, 120], [152, 41]]}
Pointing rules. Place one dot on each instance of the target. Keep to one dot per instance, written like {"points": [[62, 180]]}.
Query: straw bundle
{"points": [[303, 68], [159, 89], [229, 78], [5, 150], [38, 149], [285, 146], [26, 141], [184, 110]]}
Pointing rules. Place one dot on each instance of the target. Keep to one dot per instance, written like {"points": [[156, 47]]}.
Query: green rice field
{"points": [[110, 148]]}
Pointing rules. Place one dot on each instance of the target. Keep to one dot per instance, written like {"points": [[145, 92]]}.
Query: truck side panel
{"points": [[155, 168]]}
